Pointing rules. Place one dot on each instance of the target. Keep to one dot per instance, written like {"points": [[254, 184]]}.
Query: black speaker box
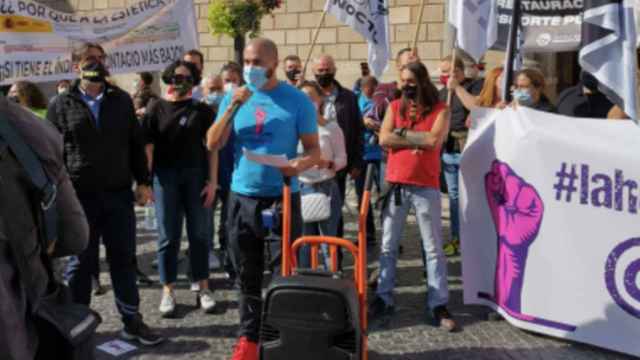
{"points": [[311, 316]]}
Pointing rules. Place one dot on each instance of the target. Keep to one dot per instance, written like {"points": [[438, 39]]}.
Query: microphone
{"points": [[217, 130]]}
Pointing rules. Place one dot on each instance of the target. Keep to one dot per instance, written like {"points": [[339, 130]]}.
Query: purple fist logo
{"points": [[517, 211]]}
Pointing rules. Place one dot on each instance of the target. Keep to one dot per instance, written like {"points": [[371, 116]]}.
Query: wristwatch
{"points": [[402, 132]]}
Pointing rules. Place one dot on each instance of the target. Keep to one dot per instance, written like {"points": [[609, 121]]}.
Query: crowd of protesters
{"points": [[184, 150]]}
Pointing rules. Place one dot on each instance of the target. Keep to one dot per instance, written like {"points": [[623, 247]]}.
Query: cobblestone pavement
{"points": [[196, 336]]}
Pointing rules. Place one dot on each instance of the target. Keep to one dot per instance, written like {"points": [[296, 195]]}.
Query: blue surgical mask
{"points": [[213, 99], [255, 77], [228, 87], [523, 96]]}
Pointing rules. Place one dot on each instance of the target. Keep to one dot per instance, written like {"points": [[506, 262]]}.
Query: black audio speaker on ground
{"points": [[311, 316]]}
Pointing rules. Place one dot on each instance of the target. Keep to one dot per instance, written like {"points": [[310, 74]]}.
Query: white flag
{"points": [[476, 25], [370, 18], [609, 50]]}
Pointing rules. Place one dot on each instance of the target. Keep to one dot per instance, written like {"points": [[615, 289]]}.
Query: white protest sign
{"points": [[279, 161], [36, 41], [550, 224]]}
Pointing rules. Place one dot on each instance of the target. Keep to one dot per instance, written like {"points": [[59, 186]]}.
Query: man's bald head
{"points": [[405, 57], [264, 48], [262, 53], [324, 64]]}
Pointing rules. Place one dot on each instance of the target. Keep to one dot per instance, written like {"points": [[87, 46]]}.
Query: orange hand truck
{"points": [[318, 315]]}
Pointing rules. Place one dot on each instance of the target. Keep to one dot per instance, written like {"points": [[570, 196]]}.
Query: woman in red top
{"points": [[414, 128]]}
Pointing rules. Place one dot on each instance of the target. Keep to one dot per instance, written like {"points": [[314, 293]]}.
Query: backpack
{"points": [[63, 327]]}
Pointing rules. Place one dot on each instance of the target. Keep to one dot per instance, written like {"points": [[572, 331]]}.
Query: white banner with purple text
{"points": [[550, 224]]}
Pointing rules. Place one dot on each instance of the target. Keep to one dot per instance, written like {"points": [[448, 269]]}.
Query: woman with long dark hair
{"points": [[413, 131], [181, 166]]}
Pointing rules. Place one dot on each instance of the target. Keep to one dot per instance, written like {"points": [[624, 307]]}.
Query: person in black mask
{"points": [[293, 69], [176, 128], [414, 130], [584, 99], [103, 152], [341, 105]]}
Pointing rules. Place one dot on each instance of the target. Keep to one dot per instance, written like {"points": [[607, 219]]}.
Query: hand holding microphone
{"points": [[217, 131], [240, 96]]}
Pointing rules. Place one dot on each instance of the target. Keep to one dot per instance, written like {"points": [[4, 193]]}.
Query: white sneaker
{"points": [[195, 287], [167, 304], [207, 303], [214, 262]]}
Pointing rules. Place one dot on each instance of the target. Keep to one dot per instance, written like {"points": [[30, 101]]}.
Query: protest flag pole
{"points": [[418, 25], [454, 58], [313, 43], [512, 46]]}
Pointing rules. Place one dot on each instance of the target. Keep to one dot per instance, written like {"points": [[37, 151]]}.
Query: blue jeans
{"points": [[451, 170], [426, 203], [111, 219], [328, 227], [177, 194]]}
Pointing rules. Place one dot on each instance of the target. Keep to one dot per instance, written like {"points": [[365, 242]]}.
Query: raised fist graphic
{"points": [[517, 209]]}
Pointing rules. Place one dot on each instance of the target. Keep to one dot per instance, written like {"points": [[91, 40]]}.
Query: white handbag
{"points": [[315, 207]]}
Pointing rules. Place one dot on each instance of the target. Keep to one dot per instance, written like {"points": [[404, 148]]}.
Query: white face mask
{"points": [[229, 87]]}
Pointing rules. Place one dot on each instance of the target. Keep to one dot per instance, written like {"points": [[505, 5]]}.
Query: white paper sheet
{"points": [[278, 161], [117, 347]]}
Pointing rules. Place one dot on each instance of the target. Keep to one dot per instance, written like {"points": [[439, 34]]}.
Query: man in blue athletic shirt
{"points": [[273, 117]]}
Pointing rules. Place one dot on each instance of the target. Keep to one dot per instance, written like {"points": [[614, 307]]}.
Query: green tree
{"points": [[239, 18]]}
